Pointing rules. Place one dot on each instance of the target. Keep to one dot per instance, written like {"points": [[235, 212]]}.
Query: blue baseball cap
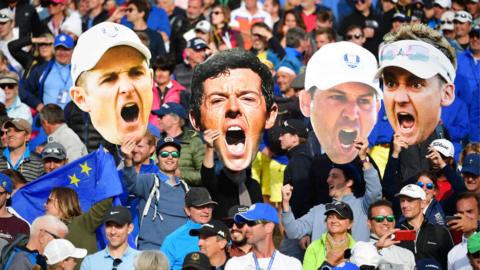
{"points": [[171, 107], [346, 266], [64, 40], [258, 211], [168, 141], [6, 182], [471, 164]]}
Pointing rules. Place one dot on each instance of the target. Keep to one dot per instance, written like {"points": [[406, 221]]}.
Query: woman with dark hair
{"points": [[290, 19], [222, 36], [63, 203]]}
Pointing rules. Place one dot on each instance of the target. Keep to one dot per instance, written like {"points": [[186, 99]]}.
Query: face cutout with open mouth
{"points": [[406, 121], [235, 139], [130, 112], [346, 137]]}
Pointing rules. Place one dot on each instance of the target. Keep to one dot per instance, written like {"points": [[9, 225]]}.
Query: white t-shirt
{"points": [[280, 262]]}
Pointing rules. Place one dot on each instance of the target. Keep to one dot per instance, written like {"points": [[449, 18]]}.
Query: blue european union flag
{"points": [[94, 177]]}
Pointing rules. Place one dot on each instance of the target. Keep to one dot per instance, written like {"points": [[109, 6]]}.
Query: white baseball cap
{"points": [[418, 57], [58, 250], [462, 16], [412, 191], [445, 147], [341, 62], [365, 253], [93, 43], [446, 20], [443, 3]]}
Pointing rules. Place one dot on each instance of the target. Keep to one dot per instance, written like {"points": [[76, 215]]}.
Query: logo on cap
{"points": [[114, 212], [168, 139], [62, 38], [110, 31], [352, 60], [195, 257], [4, 183], [166, 106]]}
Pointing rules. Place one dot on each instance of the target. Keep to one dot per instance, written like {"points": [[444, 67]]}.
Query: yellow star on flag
{"points": [[85, 168], [74, 180]]}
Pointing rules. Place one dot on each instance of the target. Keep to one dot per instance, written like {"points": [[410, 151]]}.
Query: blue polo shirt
{"points": [[179, 243], [103, 260]]}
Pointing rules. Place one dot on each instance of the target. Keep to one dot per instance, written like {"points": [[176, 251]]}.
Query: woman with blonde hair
{"points": [[151, 260], [222, 36], [63, 203]]}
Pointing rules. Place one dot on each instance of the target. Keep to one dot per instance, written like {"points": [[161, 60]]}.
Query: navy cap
{"points": [[258, 211], [168, 141], [471, 164], [197, 44], [295, 127], [196, 260], [119, 215], [6, 183], [64, 40], [54, 150], [171, 107], [212, 228]]}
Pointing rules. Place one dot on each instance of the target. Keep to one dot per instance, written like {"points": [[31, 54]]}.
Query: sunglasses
{"points": [[2, 192], [230, 224], [428, 185], [116, 263], [355, 36], [250, 223], [380, 219], [45, 44], [8, 85], [52, 235], [446, 22], [174, 154], [474, 34]]}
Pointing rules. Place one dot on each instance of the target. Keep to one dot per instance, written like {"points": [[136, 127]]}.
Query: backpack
{"points": [[13, 248]]}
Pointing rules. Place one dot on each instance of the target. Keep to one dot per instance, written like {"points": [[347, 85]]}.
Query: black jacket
{"points": [[225, 192], [433, 241], [26, 19], [296, 174], [103, 16]]}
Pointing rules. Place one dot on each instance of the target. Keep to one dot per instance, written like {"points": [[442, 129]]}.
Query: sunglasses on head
{"points": [[428, 185], [380, 219], [355, 36], [174, 154], [8, 85], [116, 263]]}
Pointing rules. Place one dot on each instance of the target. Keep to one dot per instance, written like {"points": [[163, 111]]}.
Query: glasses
{"points": [[380, 219], [116, 263], [355, 36], [230, 224], [427, 185], [217, 12], [446, 22], [3, 193], [8, 85], [52, 235], [474, 34], [52, 150], [251, 223], [174, 154], [335, 206], [45, 44], [413, 52]]}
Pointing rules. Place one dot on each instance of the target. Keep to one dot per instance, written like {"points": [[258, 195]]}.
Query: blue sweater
{"points": [[180, 243]]}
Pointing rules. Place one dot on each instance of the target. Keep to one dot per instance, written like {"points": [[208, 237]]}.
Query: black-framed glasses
{"points": [[230, 224], [116, 263], [8, 85], [380, 219], [52, 234], [354, 36], [174, 154], [446, 22], [474, 34], [427, 185], [45, 44]]}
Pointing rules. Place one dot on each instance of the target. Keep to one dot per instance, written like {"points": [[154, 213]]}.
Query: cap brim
{"points": [[205, 203], [79, 253], [407, 195], [470, 170], [336, 211], [426, 72], [8, 80], [52, 155]]}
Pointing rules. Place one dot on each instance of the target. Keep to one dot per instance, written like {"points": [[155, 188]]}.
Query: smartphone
{"points": [[450, 218], [405, 235]]}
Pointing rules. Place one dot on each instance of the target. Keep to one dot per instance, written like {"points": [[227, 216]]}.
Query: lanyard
{"points": [[270, 263]]}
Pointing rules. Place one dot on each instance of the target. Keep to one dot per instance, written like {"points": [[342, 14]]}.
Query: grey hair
{"points": [[48, 221], [151, 260]]}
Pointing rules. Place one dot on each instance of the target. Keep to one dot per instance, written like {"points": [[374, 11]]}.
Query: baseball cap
{"points": [[9, 77], [475, 31], [471, 164], [428, 264], [462, 16], [119, 215], [168, 141], [258, 211], [203, 26], [341, 62], [294, 126], [6, 15], [299, 81], [54, 150], [6, 183], [399, 17], [443, 3], [64, 40], [365, 253], [197, 44], [473, 243], [94, 42], [340, 208], [418, 57], [20, 124], [58, 250], [171, 107], [444, 146], [212, 228], [289, 67], [196, 260], [412, 191], [235, 210], [198, 196], [58, 1], [446, 20], [345, 266]]}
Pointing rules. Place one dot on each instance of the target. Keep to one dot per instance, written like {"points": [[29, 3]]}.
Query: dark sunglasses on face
{"points": [[8, 85], [428, 185], [174, 154], [350, 37], [251, 223], [446, 22], [45, 44], [475, 34], [116, 263], [230, 224], [380, 219]]}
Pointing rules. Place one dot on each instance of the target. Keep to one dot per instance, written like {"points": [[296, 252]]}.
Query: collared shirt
{"points": [[57, 85], [103, 260], [19, 110], [457, 257], [6, 154]]}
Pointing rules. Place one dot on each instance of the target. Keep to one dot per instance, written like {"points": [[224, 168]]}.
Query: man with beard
{"points": [[342, 97], [418, 75], [239, 246], [232, 102]]}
